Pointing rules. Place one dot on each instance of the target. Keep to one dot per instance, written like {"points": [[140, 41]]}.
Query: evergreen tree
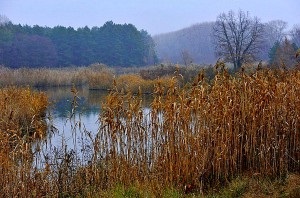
{"points": [[283, 54], [272, 52], [112, 44]]}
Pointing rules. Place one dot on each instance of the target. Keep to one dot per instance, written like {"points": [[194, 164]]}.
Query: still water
{"points": [[67, 120], [73, 133], [75, 129]]}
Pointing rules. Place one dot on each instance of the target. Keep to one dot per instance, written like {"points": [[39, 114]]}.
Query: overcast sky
{"points": [[155, 16]]}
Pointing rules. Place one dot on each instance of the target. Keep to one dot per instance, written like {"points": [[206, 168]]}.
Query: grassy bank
{"points": [[52, 77]]}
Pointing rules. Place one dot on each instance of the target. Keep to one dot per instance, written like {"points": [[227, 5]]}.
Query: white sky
{"points": [[155, 16]]}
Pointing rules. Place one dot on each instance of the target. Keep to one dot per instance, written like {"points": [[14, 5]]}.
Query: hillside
{"points": [[194, 42]]}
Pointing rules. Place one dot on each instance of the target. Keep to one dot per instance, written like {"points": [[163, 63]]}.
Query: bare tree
{"points": [[3, 20], [237, 37], [285, 55], [295, 33], [186, 57], [275, 31]]}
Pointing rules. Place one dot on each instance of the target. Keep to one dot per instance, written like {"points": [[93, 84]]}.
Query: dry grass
{"points": [[22, 112], [135, 83], [102, 81], [204, 135], [21, 123], [191, 139], [41, 77], [97, 76]]}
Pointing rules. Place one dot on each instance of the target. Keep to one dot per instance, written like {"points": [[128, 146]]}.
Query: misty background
{"points": [[155, 16], [168, 31]]}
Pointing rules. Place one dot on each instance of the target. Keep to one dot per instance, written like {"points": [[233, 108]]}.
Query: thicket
{"points": [[187, 73], [111, 44], [283, 54]]}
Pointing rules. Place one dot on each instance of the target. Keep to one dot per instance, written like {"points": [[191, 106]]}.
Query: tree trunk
{"points": [[235, 65], [239, 63]]}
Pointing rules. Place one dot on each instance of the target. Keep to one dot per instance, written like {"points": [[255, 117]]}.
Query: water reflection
{"points": [[67, 127], [75, 133], [70, 129], [88, 101]]}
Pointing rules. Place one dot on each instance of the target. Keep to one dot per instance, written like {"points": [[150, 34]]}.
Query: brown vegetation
{"points": [[193, 138], [21, 123], [93, 76], [206, 134], [22, 112], [98, 77], [41, 77]]}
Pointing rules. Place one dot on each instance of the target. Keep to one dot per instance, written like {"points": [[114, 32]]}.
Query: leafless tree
{"points": [[186, 57], [237, 37], [3, 20], [285, 55], [274, 31], [295, 33]]}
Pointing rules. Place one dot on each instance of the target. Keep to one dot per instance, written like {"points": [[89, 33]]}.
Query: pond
{"points": [[65, 117], [72, 127]]}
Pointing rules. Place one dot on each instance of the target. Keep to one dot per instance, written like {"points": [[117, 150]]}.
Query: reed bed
{"points": [[97, 76], [41, 77], [204, 135], [134, 83], [191, 138], [22, 121], [22, 111], [94, 77]]}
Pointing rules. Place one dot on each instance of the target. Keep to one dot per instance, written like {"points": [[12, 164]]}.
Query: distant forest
{"points": [[112, 44], [124, 46], [195, 44]]}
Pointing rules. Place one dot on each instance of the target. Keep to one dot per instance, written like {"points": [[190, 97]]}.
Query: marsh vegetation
{"points": [[237, 130]]}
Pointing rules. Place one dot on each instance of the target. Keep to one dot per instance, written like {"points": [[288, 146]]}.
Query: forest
{"points": [[111, 44], [196, 43], [123, 45]]}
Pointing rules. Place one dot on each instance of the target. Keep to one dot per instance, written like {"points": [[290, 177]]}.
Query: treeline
{"points": [[112, 44], [195, 44]]}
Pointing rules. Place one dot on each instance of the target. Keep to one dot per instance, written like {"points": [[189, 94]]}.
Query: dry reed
{"points": [[194, 137], [22, 121], [204, 135]]}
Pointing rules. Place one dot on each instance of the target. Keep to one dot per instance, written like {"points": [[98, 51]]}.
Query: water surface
{"points": [[74, 120], [70, 115]]}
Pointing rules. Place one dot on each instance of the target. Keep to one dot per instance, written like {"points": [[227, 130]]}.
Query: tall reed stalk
{"points": [[195, 136], [208, 133]]}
